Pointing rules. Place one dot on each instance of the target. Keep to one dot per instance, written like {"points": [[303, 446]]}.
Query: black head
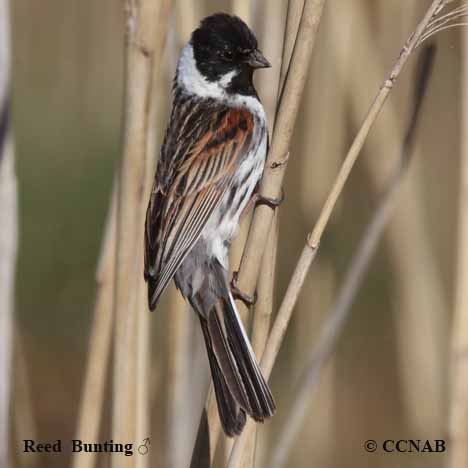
{"points": [[224, 44]]}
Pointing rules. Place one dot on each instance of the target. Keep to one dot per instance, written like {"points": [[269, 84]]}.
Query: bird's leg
{"points": [[249, 301], [258, 199], [273, 203]]}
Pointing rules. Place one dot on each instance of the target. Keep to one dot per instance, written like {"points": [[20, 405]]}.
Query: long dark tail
{"points": [[238, 382]]}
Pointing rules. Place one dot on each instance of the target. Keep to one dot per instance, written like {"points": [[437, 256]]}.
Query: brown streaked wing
{"points": [[178, 212]]}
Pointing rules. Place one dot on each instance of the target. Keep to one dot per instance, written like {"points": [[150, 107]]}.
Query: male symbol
{"points": [[143, 448]]}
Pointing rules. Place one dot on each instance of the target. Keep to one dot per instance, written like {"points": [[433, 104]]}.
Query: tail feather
{"points": [[258, 392], [232, 416], [238, 382], [227, 361]]}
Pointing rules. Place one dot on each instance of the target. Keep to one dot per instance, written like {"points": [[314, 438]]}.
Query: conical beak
{"points": [[257, 60]]}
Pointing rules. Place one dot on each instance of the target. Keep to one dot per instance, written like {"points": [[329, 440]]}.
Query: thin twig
{"points": [[444, 22], [337, 318], [455, 14], [313, 240], [419, 287]]}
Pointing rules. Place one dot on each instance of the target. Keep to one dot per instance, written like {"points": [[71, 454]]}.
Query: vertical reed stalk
{"points": [[140, 39], [293, 21], [142, 423], [178, 380], [271, 187], [458, 423], [92, 402], [289, 101], [24, 422], [154, 137], [179, 322], [92, 399], [262, 321], [243, 9], [8, 231], [274, 48], [290, 97], [266, 289]]}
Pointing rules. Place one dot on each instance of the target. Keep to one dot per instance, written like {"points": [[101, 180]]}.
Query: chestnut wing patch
{"points": [[176, 215]]}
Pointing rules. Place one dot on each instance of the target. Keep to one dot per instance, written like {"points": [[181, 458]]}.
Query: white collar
{"points": [[192, 81]]}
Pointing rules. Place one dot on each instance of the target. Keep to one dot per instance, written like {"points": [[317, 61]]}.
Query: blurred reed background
{"points": [[389, 377]]}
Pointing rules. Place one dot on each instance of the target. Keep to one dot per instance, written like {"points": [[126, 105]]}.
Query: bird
{"points": [[211, 161]]}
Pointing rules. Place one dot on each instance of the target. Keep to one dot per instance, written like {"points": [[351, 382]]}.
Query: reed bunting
{"points": [[210, 164]]}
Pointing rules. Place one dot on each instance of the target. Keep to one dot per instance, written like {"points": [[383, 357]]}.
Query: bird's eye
{"points": [[227, 54]]}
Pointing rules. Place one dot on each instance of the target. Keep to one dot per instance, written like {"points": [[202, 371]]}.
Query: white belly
{"points": [[223, 224]]}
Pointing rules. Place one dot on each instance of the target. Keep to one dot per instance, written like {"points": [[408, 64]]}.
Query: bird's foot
{"points": [[272, 203], [248, 300]]}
